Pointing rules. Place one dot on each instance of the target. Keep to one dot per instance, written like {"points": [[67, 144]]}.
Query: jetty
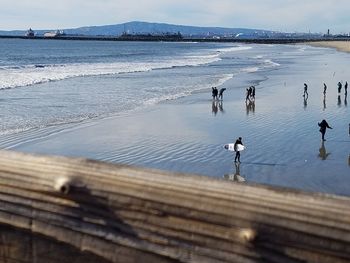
{"points": [[59, 209], [180, 38]]}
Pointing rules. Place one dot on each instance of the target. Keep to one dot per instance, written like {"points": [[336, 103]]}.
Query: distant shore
{"points": [[179, 38], [343, 46]]}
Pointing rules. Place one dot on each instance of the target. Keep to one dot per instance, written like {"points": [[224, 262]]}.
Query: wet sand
{"points": [[283, 143], [343, 46]]}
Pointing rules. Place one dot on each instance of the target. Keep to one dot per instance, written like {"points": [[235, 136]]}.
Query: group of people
{"points": [[323, 127], [218, 94], [340, 85], [250, 95], [345, 87], [323, 124]]}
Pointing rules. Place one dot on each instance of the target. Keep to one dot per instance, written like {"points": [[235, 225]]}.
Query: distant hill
{"points": [[154, 29]]}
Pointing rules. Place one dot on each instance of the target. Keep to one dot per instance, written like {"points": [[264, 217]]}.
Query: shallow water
{"points": [[187, 134]]}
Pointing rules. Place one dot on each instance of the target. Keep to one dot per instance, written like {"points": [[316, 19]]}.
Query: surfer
{"points": [[323, 126], [238, 154], [221, 93], [324, 88], [305, 90]]}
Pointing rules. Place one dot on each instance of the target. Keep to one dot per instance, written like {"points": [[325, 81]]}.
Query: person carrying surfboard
{"points": [[238, 154], [323, 126]]}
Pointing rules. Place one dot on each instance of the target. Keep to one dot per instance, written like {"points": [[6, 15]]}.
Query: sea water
{"points": [[48, 82], [149, 104]]}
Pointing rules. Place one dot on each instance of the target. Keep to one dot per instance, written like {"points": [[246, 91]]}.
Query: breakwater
{"points": [[175, 38]]}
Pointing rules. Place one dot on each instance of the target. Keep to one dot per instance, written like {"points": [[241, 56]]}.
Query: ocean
{"points": [[45, 83], [149, 104]]}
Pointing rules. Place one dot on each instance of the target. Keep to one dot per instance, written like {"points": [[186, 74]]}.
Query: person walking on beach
{"points": [[253, 92], [339, 87], [305, 90], [214, 93], [249, 93], [346, 88], [238, 154], [221, 93], [324, 88], [323, 126]]}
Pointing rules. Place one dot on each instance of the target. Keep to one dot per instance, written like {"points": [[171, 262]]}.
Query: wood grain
{"points": [[116, 213]]}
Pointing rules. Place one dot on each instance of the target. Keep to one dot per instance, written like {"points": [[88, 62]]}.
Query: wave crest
{"points": [[20, 76]]}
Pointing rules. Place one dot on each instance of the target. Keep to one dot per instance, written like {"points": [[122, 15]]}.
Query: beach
{"points": [[187, 133], [343, 46]]}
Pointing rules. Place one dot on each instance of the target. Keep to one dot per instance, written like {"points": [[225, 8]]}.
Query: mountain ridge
{"points": [[139, 27]]}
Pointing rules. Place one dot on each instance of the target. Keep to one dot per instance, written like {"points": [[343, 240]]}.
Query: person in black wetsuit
{"points": [[221, 93], [214, 93], [238, 154], [253, 92], [305, 91], [339, 87], [323, 126]]}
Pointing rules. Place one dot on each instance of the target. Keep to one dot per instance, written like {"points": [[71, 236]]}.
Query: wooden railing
{"points": [[57, 209]]}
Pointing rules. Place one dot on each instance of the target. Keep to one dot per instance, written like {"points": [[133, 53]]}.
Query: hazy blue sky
{"points": [[282, 15]]}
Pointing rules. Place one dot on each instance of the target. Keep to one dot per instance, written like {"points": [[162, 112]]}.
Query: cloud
{"points": [[286, 15]]}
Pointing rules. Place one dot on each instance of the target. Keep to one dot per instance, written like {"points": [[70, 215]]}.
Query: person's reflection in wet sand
{"points": [[305, 102], [236, 177], [221, 107], [323, 152], [214, 107], [346, 100], [339, 101], [250, 106], [324, 102]]}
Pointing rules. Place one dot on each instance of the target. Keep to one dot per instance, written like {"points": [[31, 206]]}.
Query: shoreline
{"points": [[343, 46], [187, 135]]}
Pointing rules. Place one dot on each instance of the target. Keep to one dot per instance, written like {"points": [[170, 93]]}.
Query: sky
{"points": [[315, 16]]}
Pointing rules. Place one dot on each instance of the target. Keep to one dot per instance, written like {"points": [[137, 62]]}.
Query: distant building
{"points": [[56, 33], [30, 33]]}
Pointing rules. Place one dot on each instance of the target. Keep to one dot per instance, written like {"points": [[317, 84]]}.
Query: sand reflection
{"points": [[236, 177], [217, 106], [250, 107], [305, 102], [323, 152]]}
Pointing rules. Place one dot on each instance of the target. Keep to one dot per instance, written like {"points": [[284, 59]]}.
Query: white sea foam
{"points": [[250, 69], [181, 92], [267, 63], [271, 63], [19, 76], [234, 49]]}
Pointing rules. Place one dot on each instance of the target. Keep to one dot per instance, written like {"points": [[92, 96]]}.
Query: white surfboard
{"points": [[231, 147]]}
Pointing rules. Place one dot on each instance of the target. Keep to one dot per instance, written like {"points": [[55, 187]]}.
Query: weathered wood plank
{"points": [[126, 214]]}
